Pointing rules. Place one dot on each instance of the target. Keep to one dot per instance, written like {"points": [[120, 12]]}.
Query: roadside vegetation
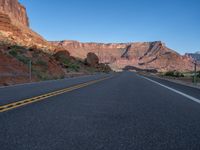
{"points": [[46, 66], [17, 52], [43, 66], [70, 65], [182, 76], [174, 74], [198, 74]]}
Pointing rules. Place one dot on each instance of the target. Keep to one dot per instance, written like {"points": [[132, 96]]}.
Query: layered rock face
{"points": [[14, 27], [15, 11], [195, 56], [144, 55]]}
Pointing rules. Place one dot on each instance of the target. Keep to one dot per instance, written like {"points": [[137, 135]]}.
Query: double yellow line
{"points": [[45, 96]]}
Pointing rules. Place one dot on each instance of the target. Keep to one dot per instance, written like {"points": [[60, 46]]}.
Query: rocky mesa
{"points": [[143, 55]]}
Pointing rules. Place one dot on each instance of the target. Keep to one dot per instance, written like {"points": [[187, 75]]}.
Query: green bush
{"points": [[179, 74], [169, 73], [16, 47], [65, 61], [23, 59], [198, 74], [174, 74], [41, 75], [16, 51], [41, 63], [13, 53], [73, 66]]}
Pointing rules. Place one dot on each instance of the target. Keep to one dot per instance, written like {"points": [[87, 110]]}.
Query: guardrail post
{"points": [[30, 71]]}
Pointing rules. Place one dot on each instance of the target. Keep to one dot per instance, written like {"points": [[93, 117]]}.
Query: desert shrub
{"points": [[17, 52], [174, 74], [15, 47], [13, 53], [169, 73], [65, 61], [23, 59], [18, 49], [41, 63], [73, 66], [179, 74], [41, 75], [198, 74]]}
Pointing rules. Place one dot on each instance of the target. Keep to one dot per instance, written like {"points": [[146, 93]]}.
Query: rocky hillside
{"points": [[14, 65], [143, 55], [20, 46]]}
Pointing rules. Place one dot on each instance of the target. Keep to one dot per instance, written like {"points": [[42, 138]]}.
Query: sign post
{"points": [[195, 72], [30, 71]]}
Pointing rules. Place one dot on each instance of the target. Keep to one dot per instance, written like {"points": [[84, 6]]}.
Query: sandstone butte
{"points": [[14, 28]]}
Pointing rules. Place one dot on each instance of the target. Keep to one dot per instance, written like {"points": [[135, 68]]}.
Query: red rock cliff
{"points": [[15, 10], [144, 55], [14, 27]]}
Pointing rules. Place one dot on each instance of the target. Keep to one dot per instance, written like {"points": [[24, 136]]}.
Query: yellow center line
{"points": [[47, 95]]}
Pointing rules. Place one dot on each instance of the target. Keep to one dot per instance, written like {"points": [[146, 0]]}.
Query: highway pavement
{"points": [[122, 111], [14, 93]]}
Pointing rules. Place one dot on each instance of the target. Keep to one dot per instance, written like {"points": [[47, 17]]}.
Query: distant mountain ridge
{"points": [[198, 52], [143, 55], [195, 56]]}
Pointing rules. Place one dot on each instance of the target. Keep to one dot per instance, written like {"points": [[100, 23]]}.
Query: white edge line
{"points": [[176, 91]]}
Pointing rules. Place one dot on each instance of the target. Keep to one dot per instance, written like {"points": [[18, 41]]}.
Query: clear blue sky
{"points": [[175, 22]]}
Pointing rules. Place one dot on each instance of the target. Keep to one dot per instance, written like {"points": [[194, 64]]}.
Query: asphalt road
{"points": [[125, 112], [19, 92]]}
